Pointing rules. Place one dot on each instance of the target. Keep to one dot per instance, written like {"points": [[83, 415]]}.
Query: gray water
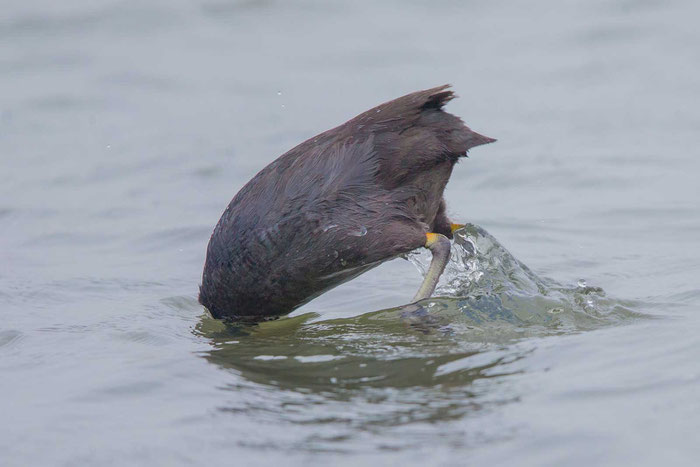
{"points": [[126, 128]]}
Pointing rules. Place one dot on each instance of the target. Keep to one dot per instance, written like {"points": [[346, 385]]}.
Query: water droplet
{"points": [[379, 110], [109, 146], [581, 283], [279, 93], [360, 233], [343, 262], [335, 253], [329, 227]]}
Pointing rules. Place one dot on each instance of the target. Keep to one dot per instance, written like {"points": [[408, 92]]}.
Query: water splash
{"points": [[489, 287]]}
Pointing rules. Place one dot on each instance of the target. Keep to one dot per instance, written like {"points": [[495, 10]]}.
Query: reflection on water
{"points": [[419, 362], [350, 377]]}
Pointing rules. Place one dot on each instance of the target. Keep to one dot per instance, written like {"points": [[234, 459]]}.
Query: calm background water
{"points": [[126, 128]]}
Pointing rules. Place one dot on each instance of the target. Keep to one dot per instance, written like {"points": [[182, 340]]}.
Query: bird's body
{"points": [[335, 206]]}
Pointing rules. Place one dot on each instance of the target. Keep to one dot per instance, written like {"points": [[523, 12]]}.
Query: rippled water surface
{"points": [[564, 332]]}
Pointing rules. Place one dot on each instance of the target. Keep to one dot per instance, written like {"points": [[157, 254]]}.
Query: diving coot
{"points": [[336, 206]]}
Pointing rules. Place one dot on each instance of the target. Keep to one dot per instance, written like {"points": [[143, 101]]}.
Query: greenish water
{"points": [[126, 128]]}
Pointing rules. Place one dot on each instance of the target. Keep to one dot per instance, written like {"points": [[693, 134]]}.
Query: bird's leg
{"points": [[439, 246]]}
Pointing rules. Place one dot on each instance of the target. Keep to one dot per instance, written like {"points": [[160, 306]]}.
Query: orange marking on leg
{"points": [[454, 227]]}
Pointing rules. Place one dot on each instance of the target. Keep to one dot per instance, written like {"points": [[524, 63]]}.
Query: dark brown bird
{"points": [[336, 206]]}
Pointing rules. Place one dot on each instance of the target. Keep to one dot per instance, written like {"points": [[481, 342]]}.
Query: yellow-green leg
{"points": [[439, 246]]}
